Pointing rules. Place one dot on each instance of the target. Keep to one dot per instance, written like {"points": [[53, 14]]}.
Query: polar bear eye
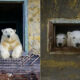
{"points": [[11, 31], [73, 37], [5, 31]]}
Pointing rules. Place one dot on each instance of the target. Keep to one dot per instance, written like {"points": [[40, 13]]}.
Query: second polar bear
{"points": [[73, 39], [10, 42], [61, 40]]}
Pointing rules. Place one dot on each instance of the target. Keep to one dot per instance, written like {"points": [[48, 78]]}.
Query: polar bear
{"points": [[61, 40], [73, 39], [10, 42]]}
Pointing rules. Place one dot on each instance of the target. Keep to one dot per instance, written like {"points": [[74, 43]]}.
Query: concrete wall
{"points": [[58, 67], [34, 25]]}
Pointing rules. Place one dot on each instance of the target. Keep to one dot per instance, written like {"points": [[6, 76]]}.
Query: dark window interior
{"points": [[11, 16], [64, 28]]}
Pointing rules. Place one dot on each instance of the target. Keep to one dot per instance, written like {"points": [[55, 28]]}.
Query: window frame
{"points": [[25, 20], [51, 37]]}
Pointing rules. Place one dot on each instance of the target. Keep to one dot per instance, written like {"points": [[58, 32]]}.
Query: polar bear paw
{"points": [[17, 52], [4, 53]]}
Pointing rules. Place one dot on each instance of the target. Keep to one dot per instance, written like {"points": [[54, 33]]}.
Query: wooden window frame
{"points": [[52, 40]]}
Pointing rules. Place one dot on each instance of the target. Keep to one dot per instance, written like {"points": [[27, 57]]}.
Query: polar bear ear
{"points": [[2, 30], [15, 30]]}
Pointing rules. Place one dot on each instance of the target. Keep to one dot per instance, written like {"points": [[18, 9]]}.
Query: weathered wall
{"points": [[34, 25], [58, 67]]}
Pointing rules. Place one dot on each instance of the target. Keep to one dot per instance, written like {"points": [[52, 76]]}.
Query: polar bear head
{"points": [[60, 40], [8, 33], [75, 39]]}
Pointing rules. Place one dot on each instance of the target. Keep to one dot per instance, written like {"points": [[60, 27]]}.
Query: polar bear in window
{"points": [[10, 42]]}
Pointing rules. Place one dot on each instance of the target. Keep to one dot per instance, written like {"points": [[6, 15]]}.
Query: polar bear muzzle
{"points": [[8, 36], [60, 44]]}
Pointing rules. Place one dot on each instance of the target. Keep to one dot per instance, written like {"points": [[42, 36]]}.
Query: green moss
{"points": [[73, 76], [72, 3], [60, 64], [56, 6]]}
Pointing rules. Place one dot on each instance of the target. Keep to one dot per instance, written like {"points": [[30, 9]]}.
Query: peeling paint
{"points": [[34, 25]]}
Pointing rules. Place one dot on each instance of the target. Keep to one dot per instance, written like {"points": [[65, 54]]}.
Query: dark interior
{"points": [[11, 16], [64, 28]]}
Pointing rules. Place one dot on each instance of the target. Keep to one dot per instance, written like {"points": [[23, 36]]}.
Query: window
{"points": [[13, 13], [11, 17], [57, 26]]}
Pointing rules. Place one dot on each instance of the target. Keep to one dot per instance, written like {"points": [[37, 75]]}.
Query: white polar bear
{"points": [[61, 40], [73, 39], [10, 42]]}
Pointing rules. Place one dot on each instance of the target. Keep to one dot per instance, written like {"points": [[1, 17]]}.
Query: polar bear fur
{"points": [[10, 42], [61, 40], [73, 39]]}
